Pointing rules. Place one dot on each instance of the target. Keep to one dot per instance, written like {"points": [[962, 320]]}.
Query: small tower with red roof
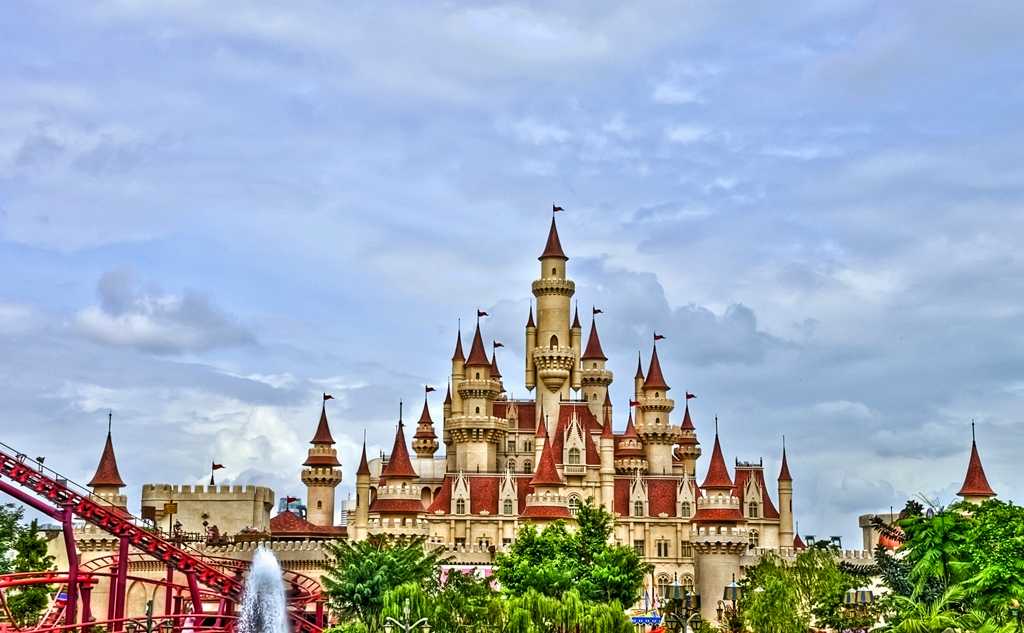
{"points": [[629, 450], [594, 375], [653, 420], [398, 508], [976, 488], [322, 472], [424, 442], [786, 532], [473, 430], [358, 530], [106, 482], [689, 448], [547, 502]]}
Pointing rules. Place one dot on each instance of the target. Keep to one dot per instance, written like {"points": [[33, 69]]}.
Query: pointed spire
{"points": [[630, 427], [106, 471], [655, 379], [547, 473], [718, 472], [576, 318], [323, 430], [639, 367], [542, 427], [975, 482], [458, 355], [606, 428], [784, 470], [425, 426], [448, 394], [687, 424], [399, 465], [529, 322], [593, 351], [477, 355], [495, 373], [553, 248], [364, 466]]}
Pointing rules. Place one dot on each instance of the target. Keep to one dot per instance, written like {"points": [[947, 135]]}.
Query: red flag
{"points": [[498, 344], [690, 396], [597, 310], [634, 403], [216, 466], [328, 396], [428, 389], [288, 500], [555, 208], [481, 313], [658, 337]]}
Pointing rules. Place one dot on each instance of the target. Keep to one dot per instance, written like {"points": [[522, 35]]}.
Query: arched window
{"points": [[478, 375], [754, 539], [664, 582], [752, 509], [687, 582], [553, 342], [511, 465], [478, 409], [593, 396], [574, 505], [574, 456], [460, 506], [684, 509], [527, 467], [319, 505], [594, 365], [554, 271], [507, 507], [638, 508], [657, 394]]}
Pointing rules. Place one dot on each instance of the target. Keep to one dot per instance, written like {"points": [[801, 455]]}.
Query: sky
{"points": [[211, 213]]}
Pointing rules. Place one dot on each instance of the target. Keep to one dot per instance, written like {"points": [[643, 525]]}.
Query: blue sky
{"points": [[210, 213]]}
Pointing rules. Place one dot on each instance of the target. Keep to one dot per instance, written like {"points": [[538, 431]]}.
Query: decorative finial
{"points": [[399, 411], [972, 431], [716, 425], [110, 420]]}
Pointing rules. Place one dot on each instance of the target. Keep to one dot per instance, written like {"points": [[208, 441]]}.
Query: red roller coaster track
{"points": [[45, 490]]}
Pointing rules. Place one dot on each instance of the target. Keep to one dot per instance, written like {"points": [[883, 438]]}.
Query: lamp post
{"points": [[392, 625], [683, 605]]}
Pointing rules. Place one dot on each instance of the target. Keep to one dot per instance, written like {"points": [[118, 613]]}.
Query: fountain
{"points": [[264, 609]]}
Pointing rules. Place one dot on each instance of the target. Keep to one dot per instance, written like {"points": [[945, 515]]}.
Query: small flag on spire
{"points": [[690, 396], [596, 310], [497, 344], [481, 313], [658, 337], [216, 466], [555, 208], [428, 389], [634, 403], [289, 500], [328, 396]]}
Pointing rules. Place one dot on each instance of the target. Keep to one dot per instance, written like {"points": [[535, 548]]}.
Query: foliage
{"points": [[553, 561], [774, 603], [360, 573], [464, 603], [27, 604], [10, 520], [534, 612]]}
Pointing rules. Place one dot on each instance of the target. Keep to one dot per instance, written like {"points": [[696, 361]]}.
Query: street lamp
{"points": [[858, 597], [682, 605], [732, 591], [392, 625]]}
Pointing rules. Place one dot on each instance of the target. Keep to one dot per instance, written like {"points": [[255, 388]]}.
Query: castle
{"points": [[509, 462]]}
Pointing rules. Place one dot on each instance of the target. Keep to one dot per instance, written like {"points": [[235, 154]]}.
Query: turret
{"points": [[322, 472], [540, 436], [531, 342], [553, 356], [629, 450], [786, 532], [495, 372], [638, 378], [475, 432], [975, 488], [458, 371], [576, 342], [397, 508], [607, 447], [653, 423], [362, 496], [424, 442], [689, 448], [547, 501], [106, 483], [595, 377]]}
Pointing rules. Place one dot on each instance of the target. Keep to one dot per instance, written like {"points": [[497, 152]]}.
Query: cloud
{"points": [[129, 316], [686, 134], [534, 132], [668, 93]]}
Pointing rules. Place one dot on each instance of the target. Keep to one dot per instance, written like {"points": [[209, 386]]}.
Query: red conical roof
{"points": [[687, 424], [477, 355], [399, 465], [593, 351], [542, 427], [448, 394], [718, 472], [553, 248], [529, 322], [630, 427], [798, 543], [975, 482], [364, 466], [458, 355], [323, 430], [425, 426], [655, 380], [547, 473], [784, 471], [639, 368], [576, 319], [606, 428], [494, 365], [106, 472]]}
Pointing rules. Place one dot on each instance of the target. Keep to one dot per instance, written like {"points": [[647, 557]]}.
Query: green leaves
{"points": [[30, 554]]}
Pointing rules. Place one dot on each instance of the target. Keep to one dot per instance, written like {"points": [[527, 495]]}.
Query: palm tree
{"points": [[937, 616]]}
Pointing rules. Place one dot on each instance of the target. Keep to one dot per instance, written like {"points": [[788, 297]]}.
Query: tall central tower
{"points": [[552, 353]]}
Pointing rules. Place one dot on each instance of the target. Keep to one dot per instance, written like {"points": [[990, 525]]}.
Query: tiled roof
{"points": [[784, 470], [546, 512], [717, 514], [483, 494], [494, 365], [397, 506], [329, 461], [477, 354], [553, 247], [323, 430], [547, 473], [718, 472], [589, 424], [655, 379], [529, 322], [425, 426], [448, 394], [798, 543], [458, 355], [661, 496], [593, 351], [687, 424], [975, 482], [639, 368], [288, 523], [364, 466], [621, 496], [106, 471], [443, 499], [742, 475], [576, 319], [399, 465]]}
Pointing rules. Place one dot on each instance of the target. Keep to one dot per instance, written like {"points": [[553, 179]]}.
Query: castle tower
{"points": [[424, 442], [531, 342], [495, 372], [689, 448], [629, 451], [653, 423], [106, 483], [975, 488], [362, 497], [786, 533], [607, 448], [594, 377], [720, 537], [398, 508], [576, 343], [322, 473], [547, 502], [553, 358], [474, 430], [638, 378]]}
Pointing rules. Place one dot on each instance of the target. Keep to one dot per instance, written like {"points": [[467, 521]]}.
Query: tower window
{"points": [[507, 506], [553, 342], [478, 375], [460, 506], [554, 271], [478, 409], [594, 365], [319, 505], [574, 456], [752, 509], [638, 508]]}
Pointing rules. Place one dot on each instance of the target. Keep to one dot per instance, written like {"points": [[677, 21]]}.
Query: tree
{"points": [[771, 600], [360, 573], [534, 612], [554, 561], [27, 604], [10, 519]]}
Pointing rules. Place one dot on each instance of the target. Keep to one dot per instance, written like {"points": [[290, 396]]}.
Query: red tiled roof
{"points": [[546, 512], [443, 499], [661, 496], [593, 351], [323, 430], [687, 424], [494, 365], [288, 523], [553, 247], [364, 466], [621, 497], [397, 506], [547, 473], [606, 431], [784, 470], [798, 543], [630, 427], [448, 394], [587, 421], [718, 514], [525, 409], [718, 472], [888, 542], [399, 465], [655, 379], [477, 355], [742, 475], [975, 482], [425, 426], [542, 427], [321, 460], [106, 471], [483, 494], [458, 355], [523, 488]]}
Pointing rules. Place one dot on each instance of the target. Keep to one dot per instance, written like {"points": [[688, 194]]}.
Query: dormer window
{"points": [[638, 508], [752, 509], [684, 509], [460, 506], [574, 456], [507, 507]]}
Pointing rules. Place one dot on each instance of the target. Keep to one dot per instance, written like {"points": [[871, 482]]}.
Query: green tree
{"points": [[360, 573], [27, 604], [534, 612], [10, 520], [771, 601]]}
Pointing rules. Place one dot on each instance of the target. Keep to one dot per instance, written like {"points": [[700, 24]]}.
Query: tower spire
{"points": [[477, 355], [593, 351], [107, 473], [458, 355], [718, 472], [976, 486], [399, 465], [553, 247], [784, 470], [655, 379]]}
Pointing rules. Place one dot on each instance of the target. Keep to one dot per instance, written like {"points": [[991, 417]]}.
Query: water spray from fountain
{"points": [[264, 609]]}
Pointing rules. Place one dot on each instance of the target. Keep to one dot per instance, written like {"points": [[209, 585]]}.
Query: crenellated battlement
{"points": [[187, 490]]}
